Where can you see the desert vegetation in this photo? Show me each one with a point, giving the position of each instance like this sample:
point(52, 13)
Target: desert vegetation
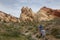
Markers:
point(26, 30)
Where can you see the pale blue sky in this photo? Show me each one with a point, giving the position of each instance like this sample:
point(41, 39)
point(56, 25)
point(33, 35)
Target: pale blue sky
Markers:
point(13, 7)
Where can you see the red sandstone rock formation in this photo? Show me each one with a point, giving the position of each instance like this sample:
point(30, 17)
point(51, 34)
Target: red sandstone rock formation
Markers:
point(51, 11)
point(47, 13)
point(27, 14)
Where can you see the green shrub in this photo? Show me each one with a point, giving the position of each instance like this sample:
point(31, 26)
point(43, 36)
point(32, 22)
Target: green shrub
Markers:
point(55, 32)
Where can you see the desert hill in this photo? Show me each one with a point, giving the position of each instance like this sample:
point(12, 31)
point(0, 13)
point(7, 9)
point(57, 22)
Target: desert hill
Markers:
point(26, 26)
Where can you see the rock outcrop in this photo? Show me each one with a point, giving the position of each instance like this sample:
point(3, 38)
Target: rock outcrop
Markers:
point(44, 13)
point(47, 14)
point(27, 14)
point(7, 17)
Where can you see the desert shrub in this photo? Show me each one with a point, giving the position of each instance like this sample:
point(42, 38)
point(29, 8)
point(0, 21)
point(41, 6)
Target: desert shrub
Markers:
point(38, 36)
point(29, 37)
point(55, 32)
point(10, 30)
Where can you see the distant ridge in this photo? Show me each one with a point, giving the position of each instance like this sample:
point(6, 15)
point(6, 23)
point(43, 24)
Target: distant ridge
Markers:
point(27, 14)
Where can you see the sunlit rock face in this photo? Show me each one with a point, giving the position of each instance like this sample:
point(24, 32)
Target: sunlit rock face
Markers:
point(44, 14)
point(27, 14)
point(7, 17)
point(47, 14)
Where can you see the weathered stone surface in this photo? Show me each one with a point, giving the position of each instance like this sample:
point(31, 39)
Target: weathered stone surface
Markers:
point(7, 17)
point(47, 14)
point(27, 14)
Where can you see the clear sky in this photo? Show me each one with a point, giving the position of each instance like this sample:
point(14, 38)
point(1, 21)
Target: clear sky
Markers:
point(13, 7)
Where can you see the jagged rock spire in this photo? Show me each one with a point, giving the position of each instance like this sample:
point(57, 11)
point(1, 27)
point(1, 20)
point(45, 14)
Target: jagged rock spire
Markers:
point(26, 14)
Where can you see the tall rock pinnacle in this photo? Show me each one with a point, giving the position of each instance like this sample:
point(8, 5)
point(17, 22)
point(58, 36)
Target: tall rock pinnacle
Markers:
point(26, 14)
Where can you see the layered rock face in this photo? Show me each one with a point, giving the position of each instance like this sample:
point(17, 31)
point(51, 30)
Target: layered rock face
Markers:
point(47, 14)
point(27, 14)
point(7, 17)
point(44, 14)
